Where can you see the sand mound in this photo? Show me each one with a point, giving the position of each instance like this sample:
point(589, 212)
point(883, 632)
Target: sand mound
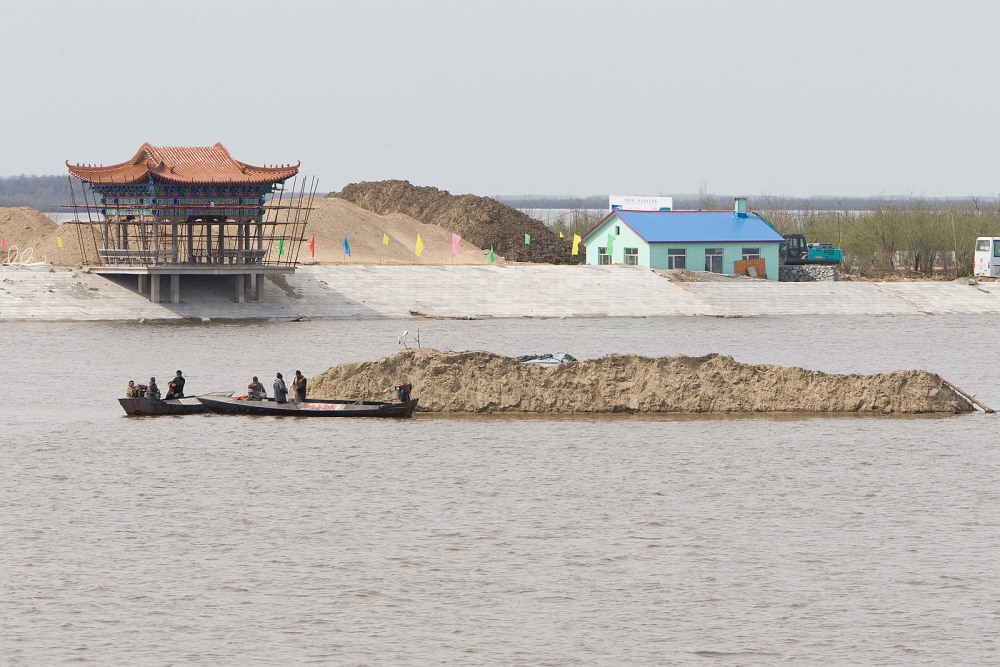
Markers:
point(27, 229)
point(332, 219)
point(481, 221)
point(484, 382)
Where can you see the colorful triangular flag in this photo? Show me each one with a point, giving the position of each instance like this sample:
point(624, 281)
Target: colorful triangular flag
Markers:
point(561, 235)
point(58, 241)
point(347, 246)
point(492, 256)
point(576, 244)
point(281, 246)
point(456, 244)
point(611, 245)
point(312, 246)
point(527, 239)
point(385, 239)
point(420, 246)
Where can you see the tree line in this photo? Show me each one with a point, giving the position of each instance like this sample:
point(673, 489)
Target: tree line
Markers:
point(43, 193)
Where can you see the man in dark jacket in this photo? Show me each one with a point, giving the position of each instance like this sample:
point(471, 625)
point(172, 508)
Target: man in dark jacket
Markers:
point(176, 387)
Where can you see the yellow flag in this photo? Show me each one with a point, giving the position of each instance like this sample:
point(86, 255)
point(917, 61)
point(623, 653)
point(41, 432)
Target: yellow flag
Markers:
point(561, 235)
point(59, 241)
point(385, 239)
point(420, 245)
point(576, 244)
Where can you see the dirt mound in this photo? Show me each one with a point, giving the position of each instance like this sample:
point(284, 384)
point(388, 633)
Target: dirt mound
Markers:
point(484, 382)
point(482, 221)
point(36, 238)
point(332, 219)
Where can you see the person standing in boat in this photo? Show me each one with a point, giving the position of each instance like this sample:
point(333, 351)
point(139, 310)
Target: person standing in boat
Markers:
point(176, 387)
point(280, 390)
point(256, 391)
point(152, 391)
point(299, 385)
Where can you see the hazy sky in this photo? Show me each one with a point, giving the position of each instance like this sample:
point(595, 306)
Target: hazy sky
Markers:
point(755, 97)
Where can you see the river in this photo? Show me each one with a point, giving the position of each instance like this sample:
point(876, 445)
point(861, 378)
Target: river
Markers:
point(492, 540)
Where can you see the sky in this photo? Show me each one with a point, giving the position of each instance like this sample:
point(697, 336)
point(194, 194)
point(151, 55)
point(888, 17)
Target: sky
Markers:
point(512, 97)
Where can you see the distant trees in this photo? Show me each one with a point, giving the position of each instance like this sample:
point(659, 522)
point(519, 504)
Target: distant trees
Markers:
point(43, 193)
point(915, 237)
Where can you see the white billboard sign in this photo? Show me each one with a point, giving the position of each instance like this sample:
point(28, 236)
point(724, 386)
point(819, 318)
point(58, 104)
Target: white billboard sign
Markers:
point(640, 203)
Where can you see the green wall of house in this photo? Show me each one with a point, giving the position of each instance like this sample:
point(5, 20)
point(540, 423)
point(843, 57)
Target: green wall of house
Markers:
point(655, 255)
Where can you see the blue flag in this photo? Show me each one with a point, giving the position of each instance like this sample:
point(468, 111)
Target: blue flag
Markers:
point(347, 246)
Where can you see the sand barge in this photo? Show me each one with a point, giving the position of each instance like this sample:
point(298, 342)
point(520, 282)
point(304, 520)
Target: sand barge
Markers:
point(482, 382)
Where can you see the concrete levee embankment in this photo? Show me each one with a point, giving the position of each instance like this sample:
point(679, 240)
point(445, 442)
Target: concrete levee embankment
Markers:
point(441, 291)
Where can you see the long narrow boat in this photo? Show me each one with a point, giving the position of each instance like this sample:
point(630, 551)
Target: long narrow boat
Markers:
point(311, 407)
point(146, 406)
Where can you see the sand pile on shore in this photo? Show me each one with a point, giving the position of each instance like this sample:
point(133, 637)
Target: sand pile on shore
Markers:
point(481, 221)
point(482, 382)
point(36, 238)
point(332, 219)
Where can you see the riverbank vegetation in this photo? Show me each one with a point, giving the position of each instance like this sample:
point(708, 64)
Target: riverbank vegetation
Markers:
point(900, 238)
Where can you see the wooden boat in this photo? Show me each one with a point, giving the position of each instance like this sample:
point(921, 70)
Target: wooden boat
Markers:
point(147, 406)
point(311, 407)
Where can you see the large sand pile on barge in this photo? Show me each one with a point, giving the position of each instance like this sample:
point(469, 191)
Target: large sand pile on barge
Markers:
point(482, 382)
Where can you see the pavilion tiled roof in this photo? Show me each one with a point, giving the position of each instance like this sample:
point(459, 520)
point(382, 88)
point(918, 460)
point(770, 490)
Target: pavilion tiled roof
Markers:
point(183, 164)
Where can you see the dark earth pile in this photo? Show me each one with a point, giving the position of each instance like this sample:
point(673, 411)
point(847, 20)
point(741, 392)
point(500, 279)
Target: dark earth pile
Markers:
point(482, 221)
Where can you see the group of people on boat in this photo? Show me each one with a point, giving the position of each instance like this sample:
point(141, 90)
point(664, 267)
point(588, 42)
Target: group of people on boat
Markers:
point(257, 392)
point(174, 390)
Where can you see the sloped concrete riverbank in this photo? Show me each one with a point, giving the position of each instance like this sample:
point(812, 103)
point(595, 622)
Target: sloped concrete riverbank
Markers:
point(463, 292)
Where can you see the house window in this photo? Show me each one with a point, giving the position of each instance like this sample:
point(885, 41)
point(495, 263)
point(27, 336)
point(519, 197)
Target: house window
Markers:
point(751, 253)
point(618, 230)
point(713, 260)
point(602, 256)
point(676, 258)
point(631, 256)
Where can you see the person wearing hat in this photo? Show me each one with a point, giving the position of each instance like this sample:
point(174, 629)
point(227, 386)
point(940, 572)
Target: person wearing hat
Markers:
point(256, 391)
point(152, 391)
point(280, 390)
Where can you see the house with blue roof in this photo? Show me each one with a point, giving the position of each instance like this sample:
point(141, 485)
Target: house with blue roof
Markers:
point(692, 240)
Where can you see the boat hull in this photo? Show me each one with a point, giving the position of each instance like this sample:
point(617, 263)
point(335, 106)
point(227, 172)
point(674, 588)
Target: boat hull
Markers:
point(312, 407)
point(145, 406)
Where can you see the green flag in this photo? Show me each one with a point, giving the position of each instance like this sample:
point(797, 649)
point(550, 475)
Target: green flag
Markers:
point(527, 239)
point(611, 245)
point(492, 257)
point(281, 245)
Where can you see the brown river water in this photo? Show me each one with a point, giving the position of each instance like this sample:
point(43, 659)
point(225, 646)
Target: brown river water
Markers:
point(214, 540)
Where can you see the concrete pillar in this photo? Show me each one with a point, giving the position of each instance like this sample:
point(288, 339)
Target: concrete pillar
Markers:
point(175, 288)
point(154, 287)
point(260, 286)
point(142, 284)
point(241, 288)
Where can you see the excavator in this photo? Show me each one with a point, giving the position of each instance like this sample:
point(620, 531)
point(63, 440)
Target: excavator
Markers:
point(795, 251)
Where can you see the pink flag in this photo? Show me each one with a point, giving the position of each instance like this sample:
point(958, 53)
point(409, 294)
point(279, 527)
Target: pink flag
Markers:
point(3, 244)
point(456, 248)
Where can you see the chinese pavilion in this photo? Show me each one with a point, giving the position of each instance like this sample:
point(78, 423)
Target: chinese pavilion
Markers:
point(190, 211)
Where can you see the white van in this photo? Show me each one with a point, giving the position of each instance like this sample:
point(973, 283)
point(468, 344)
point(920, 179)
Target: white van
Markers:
point(987, 260)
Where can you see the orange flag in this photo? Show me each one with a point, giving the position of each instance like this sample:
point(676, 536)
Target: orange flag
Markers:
point(312, 246)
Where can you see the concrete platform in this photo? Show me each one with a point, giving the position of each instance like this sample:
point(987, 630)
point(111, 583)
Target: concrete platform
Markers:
point(379, 292)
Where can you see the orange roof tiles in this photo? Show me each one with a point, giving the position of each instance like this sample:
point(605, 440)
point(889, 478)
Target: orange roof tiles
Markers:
point(183, 164)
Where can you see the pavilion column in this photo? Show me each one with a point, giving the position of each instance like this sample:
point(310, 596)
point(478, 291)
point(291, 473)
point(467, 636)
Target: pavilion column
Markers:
point(142, 284)
point(154, 287)
point(259, 277)
point(241, 288)
point(175, 288)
